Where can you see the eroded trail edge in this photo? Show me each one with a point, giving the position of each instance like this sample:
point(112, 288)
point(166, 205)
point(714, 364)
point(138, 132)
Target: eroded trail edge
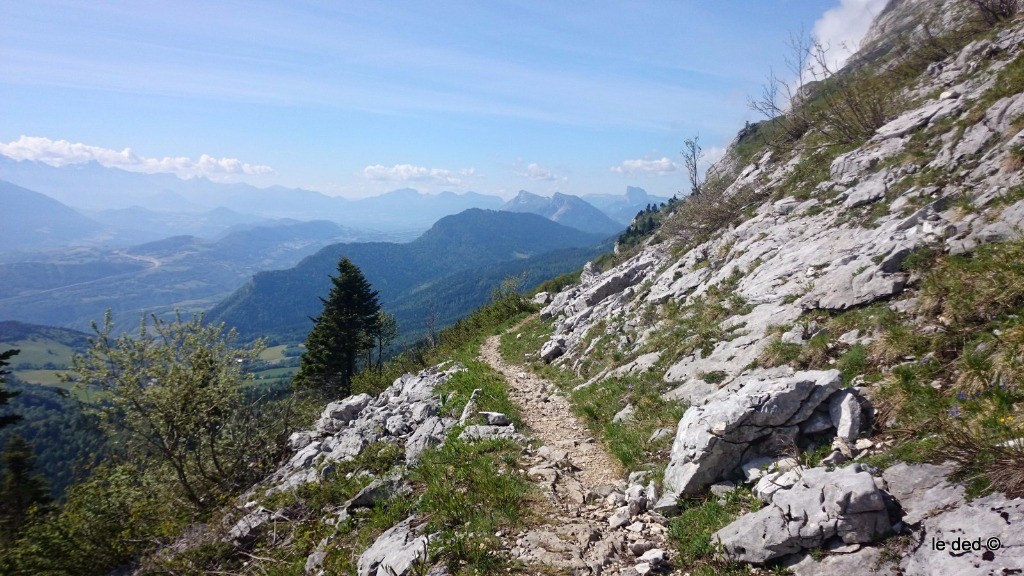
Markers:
point(599, 522)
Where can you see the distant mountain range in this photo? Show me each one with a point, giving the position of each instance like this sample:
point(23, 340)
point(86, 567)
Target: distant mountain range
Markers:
point(131, 207)
point(622, 209)
point(104, 191)
point(30, 220)
point(565, 209)
point(449, 270)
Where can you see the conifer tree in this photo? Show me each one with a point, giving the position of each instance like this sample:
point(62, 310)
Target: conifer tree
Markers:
point(5, 396)
point(342, 333)
point(21, 487)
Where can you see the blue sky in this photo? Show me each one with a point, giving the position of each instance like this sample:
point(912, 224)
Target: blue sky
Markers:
point(358, 98)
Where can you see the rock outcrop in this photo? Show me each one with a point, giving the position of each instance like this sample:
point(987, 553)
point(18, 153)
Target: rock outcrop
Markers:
point(845, 504)
point(760, 417)
point(406, 413)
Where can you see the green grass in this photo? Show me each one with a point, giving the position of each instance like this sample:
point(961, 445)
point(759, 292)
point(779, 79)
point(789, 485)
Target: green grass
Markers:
point(628, 441)
point(37, 352)
point(273, 353)
point(470, 491)
point(691, 532)
point(42, 377)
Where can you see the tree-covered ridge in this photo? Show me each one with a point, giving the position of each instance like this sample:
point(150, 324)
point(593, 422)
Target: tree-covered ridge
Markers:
point(475, 249)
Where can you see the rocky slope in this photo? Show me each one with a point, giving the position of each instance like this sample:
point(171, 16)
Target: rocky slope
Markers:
point(944, 176)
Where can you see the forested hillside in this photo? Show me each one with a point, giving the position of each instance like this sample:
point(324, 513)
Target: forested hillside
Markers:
point(438, 277)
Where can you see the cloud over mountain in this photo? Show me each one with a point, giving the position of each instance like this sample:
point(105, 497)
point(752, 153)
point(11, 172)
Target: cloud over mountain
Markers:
point(535, 171)
point(63, 153)
point(635, 167)
point(410, 173)
point(840, 29)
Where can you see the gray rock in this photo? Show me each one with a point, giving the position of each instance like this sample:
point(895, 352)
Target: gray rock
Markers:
point(248, 528)
point(625, 415)
point(395, 551)
point(667, 505)
point(793, 336)
point(817, 423)
point(496, 418)
point(337, 414)
point(844, 411)
point(620, 518)
point(299, 440)
point(660, 434)
point(866, 192)
point(541, 298)
point(722, 488)
point(866, 561)
point(694, 391)
point(849, 338)
point(655, 557)
point(843, 503)
point(917, 118)
point(922, 489)
point(713, 439)
point(482, 432)
point(546, 547)
point(991, 527)
point(431, 433)
point(642, 364)
point(552, 349)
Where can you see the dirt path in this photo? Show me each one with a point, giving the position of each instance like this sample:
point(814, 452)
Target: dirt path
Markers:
point(596, 525)
point(550, 418)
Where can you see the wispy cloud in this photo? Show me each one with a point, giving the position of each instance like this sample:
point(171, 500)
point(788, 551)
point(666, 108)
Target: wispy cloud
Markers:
point(410, 173)
point(637, 167)
point(711, 155)
point(840, 29)
point(536, 172)
point(64, 153)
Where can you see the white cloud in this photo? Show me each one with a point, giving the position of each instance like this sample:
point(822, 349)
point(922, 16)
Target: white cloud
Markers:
point(63, 153)
point(410, 173)
point(636, 167)
point(535, 171)
point(711, 155)
point(840, 29)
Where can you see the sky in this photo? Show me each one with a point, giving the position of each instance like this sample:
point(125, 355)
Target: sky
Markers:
point(360, 98)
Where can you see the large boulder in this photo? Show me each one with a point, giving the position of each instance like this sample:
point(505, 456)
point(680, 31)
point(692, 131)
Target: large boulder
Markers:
point(715, 438)
point(844, 504)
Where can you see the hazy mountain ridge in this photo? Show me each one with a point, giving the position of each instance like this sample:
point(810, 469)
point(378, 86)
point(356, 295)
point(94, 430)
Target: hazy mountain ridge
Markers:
point(73, 288)
point(32, 220)
point(93, 187)
point(475, 245)
point(624, 208)
point(565, 209)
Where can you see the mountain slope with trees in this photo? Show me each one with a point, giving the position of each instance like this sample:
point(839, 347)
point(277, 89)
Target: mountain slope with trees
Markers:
point(411, 278)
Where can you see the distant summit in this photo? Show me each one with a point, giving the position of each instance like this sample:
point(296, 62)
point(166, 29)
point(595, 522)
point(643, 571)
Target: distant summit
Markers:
point(564, 209)
point(622, 209)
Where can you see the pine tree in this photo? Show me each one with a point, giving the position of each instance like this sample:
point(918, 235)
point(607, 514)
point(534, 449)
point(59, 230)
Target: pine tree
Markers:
point(20, 487)
point(5, 396)
point(345, 330)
